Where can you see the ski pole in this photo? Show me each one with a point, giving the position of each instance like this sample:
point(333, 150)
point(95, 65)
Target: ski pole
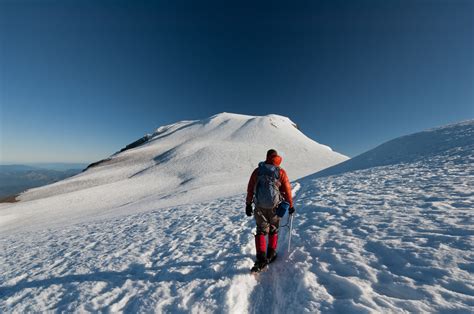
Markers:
point(291, 229)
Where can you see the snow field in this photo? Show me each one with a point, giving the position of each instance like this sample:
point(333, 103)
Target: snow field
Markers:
point(175, 259)
point(388, 239)
point(397, 238)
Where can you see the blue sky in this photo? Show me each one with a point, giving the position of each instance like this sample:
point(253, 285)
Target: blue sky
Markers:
point(81, 79)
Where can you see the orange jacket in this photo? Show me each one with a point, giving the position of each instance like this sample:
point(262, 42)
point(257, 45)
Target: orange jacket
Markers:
point(285, 187)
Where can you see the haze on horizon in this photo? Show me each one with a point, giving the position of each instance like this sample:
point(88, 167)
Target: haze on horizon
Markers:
point(80, 80)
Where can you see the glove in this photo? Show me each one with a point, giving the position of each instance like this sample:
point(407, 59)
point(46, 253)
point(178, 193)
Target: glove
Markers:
point(291, 211)
point(249, 210)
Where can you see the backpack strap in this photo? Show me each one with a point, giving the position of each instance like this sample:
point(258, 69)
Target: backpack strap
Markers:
point(277, 172)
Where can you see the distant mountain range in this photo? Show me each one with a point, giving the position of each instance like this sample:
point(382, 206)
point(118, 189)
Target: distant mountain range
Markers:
point(17, 178)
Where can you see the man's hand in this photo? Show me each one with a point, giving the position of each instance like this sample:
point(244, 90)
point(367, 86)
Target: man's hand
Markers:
point(291, 211)
point(249, 210)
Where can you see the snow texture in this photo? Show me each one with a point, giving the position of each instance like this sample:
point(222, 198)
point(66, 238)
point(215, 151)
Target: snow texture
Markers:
point(388, 239)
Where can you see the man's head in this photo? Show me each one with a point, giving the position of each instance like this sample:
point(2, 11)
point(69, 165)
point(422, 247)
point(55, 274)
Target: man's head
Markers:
point(273, 158)
point(271, 153)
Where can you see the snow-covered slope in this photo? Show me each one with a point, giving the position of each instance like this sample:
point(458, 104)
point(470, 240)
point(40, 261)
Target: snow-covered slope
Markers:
point(394, 238)
point(390, 239)
point(186, 162)
point(445, 140)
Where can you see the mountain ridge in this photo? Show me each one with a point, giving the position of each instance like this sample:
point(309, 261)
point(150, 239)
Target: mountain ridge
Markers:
point(409, 148)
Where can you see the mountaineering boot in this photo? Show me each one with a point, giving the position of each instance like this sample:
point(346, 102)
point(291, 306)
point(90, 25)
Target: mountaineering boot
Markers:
point(271, 255)
point(272, 246)
point(260, 247)
point(260, 263)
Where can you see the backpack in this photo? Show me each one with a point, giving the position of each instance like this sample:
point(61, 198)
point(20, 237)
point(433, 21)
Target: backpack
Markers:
point(267, 190)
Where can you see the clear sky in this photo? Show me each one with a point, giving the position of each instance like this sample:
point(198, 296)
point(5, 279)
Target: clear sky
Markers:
point(81, 79)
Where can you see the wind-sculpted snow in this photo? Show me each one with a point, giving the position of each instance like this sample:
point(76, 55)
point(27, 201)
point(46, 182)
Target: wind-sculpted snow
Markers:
point(173, 259)
point(389, 239)
point(411, 148)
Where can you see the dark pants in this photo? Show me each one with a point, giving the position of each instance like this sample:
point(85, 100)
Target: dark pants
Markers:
point(267, 221)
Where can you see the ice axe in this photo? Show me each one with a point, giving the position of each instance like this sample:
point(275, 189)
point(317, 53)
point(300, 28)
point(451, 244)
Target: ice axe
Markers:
point(290, 217)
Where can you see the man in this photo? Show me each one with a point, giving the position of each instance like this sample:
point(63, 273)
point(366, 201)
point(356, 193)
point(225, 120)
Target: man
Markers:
point(268, 187)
